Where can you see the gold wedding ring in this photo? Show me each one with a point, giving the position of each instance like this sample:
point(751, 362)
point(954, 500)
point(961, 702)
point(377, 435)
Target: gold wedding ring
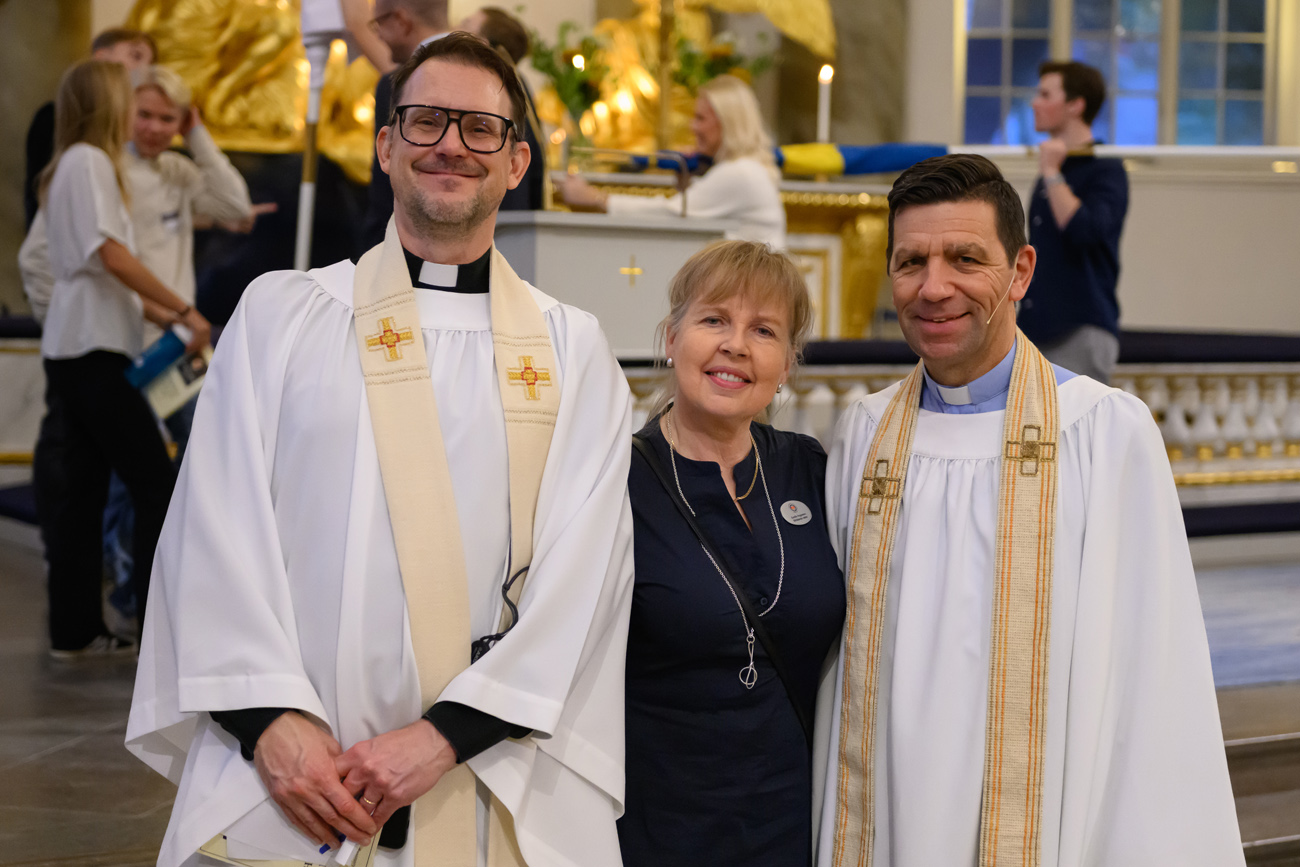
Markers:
point(371, 803)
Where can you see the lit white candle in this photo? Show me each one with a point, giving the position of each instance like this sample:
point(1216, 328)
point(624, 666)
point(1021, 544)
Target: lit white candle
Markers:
point(824, 103)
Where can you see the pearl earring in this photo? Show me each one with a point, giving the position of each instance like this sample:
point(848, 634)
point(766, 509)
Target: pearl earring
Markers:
point(670, 361)
point(778, 387)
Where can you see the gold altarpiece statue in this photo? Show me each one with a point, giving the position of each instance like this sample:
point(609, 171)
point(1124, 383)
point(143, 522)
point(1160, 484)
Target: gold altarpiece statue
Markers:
point(245, 62)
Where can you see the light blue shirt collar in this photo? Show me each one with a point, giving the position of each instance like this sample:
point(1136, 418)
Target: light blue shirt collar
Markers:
point(987, 393)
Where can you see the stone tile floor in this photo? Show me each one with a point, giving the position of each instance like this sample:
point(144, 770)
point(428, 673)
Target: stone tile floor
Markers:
point(73, 795)
point(1252, 618)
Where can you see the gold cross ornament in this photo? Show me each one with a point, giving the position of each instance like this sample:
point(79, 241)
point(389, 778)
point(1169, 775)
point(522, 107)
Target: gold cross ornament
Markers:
point(390, 338)
point(631, 272)
point(1031, 450)
point(528, 376)
point(880, 487)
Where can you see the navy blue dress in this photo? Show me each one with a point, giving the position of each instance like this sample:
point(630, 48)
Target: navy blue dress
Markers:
point(718, 774)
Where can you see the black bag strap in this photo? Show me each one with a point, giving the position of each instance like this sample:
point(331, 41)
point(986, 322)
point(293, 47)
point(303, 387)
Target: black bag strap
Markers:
point(755, 623)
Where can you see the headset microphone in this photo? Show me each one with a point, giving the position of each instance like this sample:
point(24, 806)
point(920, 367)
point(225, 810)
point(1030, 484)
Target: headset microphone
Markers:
point(1000, 300)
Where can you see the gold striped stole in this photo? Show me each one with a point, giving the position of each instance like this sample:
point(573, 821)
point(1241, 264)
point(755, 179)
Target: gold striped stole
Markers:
point(422, 503)
point(1011, 812)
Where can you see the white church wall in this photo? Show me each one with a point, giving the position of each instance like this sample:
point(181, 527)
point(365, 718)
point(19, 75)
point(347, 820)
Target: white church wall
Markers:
point(936, 70)
point(1209, 243)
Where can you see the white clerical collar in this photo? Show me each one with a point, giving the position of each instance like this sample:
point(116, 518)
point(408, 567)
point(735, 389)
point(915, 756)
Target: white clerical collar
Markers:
point(979, 390)
point(958, 396)
point(433, 274)
point(472, 277)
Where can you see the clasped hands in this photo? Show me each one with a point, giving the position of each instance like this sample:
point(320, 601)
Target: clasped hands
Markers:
point(322, 789)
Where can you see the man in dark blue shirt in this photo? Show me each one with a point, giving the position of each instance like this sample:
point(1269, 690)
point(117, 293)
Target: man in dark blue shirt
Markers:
point(1076, 215)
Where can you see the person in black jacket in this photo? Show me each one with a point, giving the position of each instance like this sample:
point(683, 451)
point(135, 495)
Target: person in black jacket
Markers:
point(1076, 215)
point(131, 48)
point(718, 762)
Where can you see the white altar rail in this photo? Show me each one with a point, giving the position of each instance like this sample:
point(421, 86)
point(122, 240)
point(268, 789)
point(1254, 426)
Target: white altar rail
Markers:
point(1223, 424)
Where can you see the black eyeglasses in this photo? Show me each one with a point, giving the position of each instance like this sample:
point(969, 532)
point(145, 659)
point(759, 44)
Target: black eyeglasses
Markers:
point(480, 131)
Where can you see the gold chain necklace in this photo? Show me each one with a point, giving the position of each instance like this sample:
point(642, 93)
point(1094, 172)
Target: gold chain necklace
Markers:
point(754, 480)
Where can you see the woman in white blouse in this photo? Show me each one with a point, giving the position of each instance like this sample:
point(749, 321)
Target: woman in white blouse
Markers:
point(92, 330)
point(741, 185)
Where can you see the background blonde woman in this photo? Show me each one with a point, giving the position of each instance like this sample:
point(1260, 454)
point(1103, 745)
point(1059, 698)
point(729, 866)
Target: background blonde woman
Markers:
point(718, 756)
point(741, 185)
point(93, 328)
point(169, 193)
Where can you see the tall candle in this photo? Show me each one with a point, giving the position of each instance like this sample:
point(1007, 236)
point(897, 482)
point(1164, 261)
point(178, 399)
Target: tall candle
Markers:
point(824, 103)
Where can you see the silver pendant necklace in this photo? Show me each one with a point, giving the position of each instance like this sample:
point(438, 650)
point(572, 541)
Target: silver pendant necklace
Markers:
point(748, 674)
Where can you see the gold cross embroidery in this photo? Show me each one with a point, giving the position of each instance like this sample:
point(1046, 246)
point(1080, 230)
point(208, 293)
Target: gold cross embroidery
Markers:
point(528, 376)
point(1031, 450)
point(631, 272)
point(880, 487)
point(390, 339)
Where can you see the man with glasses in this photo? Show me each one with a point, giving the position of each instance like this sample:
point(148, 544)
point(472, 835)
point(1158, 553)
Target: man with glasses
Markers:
point(404, 26)
point(396, 575)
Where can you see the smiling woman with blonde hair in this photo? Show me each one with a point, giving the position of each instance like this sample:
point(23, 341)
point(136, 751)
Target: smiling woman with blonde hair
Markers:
point(738, 600)
point(741, 185)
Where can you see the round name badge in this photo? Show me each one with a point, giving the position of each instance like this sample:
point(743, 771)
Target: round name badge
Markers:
point(795, 512)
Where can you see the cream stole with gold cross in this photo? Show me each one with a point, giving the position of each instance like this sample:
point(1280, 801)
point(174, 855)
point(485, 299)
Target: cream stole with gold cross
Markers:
point(1011, 814)
point(422, 504)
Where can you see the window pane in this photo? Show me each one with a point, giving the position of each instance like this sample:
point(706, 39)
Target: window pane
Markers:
point(1092, 14)
point(1135, 120)
point(983, 62)
point(1243, 122)
point(1198, 65)
point(983, 117)
point(1200, 15)
point(1019, 127)
point(984, 13)
point(1245, 67)
point(1139, 63)
point(1101, 124)
point(1094, 52)
point(1196, 122)
point(1140, 16)
point(1031, 13)
point(1026, 54)
point(1246, 16)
